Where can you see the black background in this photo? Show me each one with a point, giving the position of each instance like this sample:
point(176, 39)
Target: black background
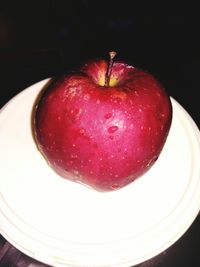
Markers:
point(40, 39)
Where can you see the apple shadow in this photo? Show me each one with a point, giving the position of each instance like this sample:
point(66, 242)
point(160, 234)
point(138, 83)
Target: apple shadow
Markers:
point(35, 104)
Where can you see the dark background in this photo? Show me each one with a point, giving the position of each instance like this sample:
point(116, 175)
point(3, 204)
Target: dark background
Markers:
point(40, 39)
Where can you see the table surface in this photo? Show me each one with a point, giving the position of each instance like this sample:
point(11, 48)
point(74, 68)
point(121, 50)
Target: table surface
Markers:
point(184, 253)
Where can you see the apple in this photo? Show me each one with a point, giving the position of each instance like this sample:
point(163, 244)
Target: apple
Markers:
point(103, 126)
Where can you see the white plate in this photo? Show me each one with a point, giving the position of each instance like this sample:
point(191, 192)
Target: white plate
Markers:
point(62, 223)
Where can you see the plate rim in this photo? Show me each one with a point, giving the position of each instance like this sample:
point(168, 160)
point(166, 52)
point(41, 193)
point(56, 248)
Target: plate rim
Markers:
point(40, 256)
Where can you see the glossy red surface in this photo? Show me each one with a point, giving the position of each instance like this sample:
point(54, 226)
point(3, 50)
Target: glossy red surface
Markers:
point(103, 136)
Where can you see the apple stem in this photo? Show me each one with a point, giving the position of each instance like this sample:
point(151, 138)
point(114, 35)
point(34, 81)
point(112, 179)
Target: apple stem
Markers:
point(112, 54)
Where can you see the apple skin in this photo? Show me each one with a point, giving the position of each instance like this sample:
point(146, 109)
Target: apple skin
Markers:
point(103, 136)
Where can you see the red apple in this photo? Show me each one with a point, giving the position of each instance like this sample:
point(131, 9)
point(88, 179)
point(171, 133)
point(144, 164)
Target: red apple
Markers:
point(104, 126)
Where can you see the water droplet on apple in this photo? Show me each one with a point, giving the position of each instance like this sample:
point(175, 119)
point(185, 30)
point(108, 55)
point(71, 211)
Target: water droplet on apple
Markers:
point(162, 115)
point(86, 97)
point(115, 186)
point(76, 172)
point(82, 131)
point(136, 93)
point(117, 100)
point(108, 115)
point(74, 114)
point(74, 156)
point(113, 129)
point(125, 151)
point(119, 150)
point(158, 94)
